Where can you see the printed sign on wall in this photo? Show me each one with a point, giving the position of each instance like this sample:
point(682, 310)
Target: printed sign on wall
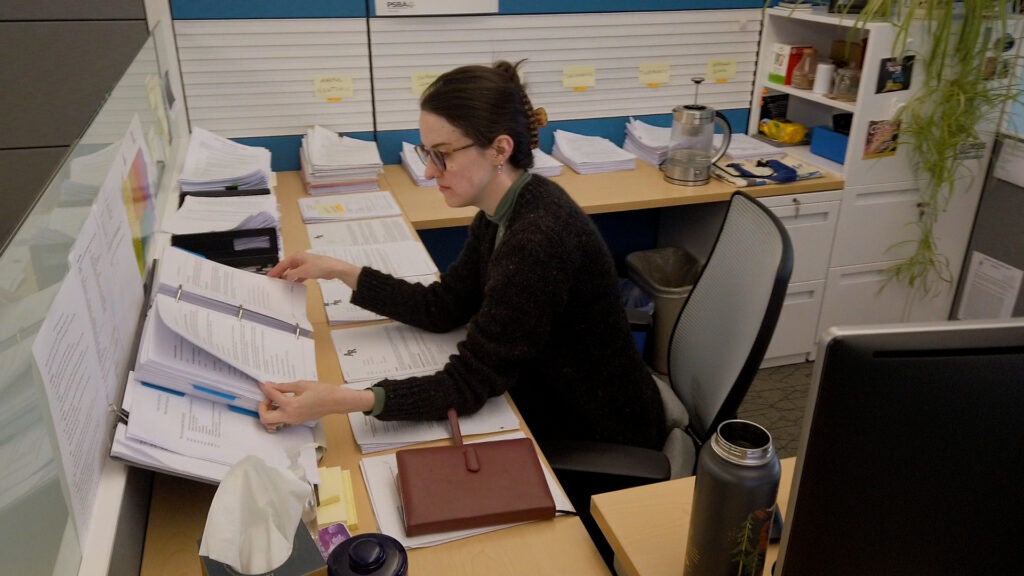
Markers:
point(433, 7)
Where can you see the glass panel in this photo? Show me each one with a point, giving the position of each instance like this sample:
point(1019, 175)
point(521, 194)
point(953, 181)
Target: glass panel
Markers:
point(37, 531)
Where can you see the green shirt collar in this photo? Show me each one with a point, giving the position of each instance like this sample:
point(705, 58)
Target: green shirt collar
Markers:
point(504, 210)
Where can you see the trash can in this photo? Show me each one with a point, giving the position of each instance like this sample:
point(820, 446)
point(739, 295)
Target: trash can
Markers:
point(667, 274)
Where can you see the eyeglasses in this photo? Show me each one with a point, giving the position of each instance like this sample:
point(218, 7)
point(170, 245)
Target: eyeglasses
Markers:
point(436, 156)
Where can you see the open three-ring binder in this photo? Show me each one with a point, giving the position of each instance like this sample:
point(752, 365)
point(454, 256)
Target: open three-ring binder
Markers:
point(215, 332)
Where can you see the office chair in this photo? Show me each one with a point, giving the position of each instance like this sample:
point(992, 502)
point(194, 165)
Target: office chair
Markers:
point(716, 347)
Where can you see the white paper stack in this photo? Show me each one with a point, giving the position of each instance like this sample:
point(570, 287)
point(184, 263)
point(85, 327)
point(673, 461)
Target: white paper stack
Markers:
point(544, 164)
point(353, 206)
point(743, 147)
point(591, 154)
point(199, 214)
point(392, 350)
point(333, 164)
point(414, 166)
point(649, 143)
point(216, 163)
point(374, 435)
point(200, 439)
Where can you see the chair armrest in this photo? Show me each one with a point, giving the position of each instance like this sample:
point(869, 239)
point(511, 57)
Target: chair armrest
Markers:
point(630, 464)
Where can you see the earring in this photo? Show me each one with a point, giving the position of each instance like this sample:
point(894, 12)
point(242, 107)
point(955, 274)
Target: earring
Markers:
point(501, 168)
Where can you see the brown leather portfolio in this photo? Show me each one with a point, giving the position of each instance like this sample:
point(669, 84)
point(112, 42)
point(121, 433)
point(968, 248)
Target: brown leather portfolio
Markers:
point(472, 485)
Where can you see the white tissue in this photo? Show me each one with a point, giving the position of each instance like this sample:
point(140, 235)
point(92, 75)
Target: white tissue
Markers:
point(252, 519)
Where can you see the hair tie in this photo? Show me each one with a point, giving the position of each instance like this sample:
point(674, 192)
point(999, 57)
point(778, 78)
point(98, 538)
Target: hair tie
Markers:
point(540, 117)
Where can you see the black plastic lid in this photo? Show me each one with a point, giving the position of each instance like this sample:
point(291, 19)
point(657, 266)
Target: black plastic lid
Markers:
point(368, 555)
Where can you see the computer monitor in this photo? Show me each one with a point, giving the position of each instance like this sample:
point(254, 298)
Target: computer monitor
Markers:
point(912, 454)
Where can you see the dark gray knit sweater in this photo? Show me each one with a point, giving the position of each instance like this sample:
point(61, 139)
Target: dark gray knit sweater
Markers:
point(544, 323)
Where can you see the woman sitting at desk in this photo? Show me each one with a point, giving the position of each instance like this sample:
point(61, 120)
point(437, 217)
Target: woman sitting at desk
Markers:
point(534, 282)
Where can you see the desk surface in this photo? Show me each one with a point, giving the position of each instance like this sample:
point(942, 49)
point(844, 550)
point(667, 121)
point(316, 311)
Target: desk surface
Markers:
point(638, 189)
point(647, 526)
point(178, 507)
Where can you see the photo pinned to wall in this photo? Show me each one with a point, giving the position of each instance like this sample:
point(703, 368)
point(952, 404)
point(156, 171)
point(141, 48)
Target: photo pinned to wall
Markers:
point(883, 138)
point(894, 74)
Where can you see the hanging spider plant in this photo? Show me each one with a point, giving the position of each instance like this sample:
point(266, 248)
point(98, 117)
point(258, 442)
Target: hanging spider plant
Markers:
point(964, 91)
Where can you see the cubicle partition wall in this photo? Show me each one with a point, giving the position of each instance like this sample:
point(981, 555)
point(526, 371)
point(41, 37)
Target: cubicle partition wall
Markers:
point(60, 499)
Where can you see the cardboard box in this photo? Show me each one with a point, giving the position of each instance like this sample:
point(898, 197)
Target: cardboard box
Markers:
point(784, 58)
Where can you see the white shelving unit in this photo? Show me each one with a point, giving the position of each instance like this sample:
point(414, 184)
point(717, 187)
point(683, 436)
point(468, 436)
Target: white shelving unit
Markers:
point(878, 205)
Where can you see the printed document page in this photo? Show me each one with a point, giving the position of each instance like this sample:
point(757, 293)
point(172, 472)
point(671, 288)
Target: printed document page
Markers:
point(211, 431)
point(392, 350)
point(224, 288)
point(374, 435)
point(381, 476)
point(359, 232)
point(400, 259)
point(263, 353)
point(338, 301)
point(104, 260)
point(199, 214)
point(66, 355)
point(353, 206)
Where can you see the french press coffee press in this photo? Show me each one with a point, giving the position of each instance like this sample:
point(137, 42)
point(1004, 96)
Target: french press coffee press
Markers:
point(690, 151)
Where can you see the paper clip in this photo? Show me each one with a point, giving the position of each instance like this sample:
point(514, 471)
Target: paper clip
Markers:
point(297, 330)
point(122, 414)
point(178, 296)
point(240, 310)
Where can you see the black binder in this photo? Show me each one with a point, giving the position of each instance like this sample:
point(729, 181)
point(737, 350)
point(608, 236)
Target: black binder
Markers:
point(254, 248)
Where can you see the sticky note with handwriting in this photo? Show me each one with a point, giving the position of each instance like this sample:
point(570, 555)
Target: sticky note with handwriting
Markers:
point(578, 77)
point(653, 74)
point(332, 87)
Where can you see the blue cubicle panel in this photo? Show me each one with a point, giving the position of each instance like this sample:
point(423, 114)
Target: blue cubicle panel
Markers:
point(238, 9)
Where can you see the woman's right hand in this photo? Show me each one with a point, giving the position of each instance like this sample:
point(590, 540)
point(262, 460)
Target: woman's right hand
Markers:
point(302, 266)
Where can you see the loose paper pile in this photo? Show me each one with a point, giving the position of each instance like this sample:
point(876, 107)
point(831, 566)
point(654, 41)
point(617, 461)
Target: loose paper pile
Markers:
point(216, 163)
point(544, 164)
point(353, 206)
point(649, 143)
point(199, 214)
point(591, 154)
point(334, 164)
point(414, 166)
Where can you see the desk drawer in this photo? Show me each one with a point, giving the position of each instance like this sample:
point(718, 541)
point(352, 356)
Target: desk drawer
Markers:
point(811, 227)
point(795, 333)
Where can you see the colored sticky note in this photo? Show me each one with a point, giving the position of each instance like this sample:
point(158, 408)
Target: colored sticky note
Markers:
point(578, 77)
point(333, 87)
point(343, 509)
point(330, 485)
point(420, 81)
point(721, 70)
point(653, 73)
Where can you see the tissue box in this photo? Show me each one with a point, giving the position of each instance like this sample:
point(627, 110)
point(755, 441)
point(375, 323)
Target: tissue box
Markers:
point(305, 560)
point(784, 58)
point(828, 143)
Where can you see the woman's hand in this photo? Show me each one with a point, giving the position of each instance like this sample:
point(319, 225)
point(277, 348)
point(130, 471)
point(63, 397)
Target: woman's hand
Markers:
point(302, 401)
point(302, 266)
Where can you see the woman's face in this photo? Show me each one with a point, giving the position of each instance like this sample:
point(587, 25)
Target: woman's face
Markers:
point(468, 173)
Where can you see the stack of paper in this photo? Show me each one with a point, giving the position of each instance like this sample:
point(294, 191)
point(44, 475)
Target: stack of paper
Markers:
point(591, 154)
point(199, 214)
point(354, 206)
point(743, 147)
point(414, 166)
point(374, 435)
point(649, 143)
point(392, 350)
point(201, 439)
point(334, 164)
point(544, 164)
point(216, 163)
point(379, 473)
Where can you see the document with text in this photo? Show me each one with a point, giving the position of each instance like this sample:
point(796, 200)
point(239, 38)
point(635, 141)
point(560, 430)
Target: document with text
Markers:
point(352, 206)
point(338, 301)
point(359, 232)
point(392, 350)
point(400, 259)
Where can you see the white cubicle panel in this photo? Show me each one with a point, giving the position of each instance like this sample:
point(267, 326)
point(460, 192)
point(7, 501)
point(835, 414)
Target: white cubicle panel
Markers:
point(615, 45)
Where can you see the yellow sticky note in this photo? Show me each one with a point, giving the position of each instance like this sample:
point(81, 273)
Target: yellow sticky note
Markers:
point(343, 508)
point(329, 209)
point(577, 77)
point(721, 70)
point(330, 485)
point(333, 87)
point(420, 81)
point(653, 73)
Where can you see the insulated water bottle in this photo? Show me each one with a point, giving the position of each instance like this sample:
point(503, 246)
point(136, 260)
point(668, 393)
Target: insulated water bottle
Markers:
point(733, 502)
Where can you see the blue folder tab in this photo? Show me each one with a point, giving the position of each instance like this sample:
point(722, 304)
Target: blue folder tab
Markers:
point(206, 390)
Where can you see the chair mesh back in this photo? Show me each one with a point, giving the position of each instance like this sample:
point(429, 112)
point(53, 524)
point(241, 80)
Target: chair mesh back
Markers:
point(719, 331)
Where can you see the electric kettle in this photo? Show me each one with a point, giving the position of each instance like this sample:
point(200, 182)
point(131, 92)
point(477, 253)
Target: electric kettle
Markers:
point(691, 143)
